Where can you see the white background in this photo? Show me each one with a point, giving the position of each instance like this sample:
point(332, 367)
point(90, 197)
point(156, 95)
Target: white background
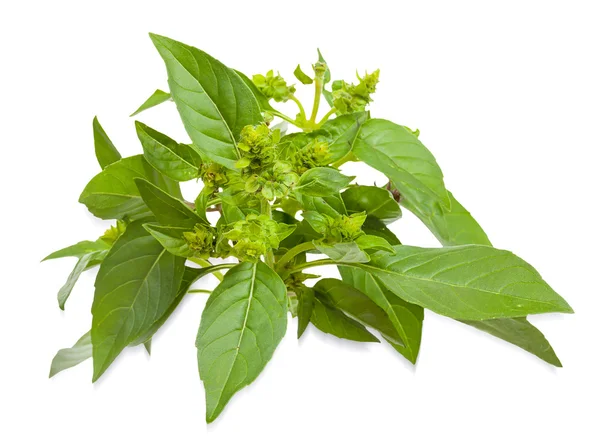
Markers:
point(506, 95)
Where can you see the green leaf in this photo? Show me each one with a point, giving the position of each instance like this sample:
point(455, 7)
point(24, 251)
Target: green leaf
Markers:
point(213, 101)
point(80, 249)
point(322, 181)
point(262, 100)
point(375, 227)
point(168, 210)
point(346, 298)
point(135, 286)
point(302, 77)
point(342, 132)
point(453, 227)
point(377, 202)
point(106, 152)
point(158, 97)
point(471, 282)
point(148, 346)
point(201, 203)
point(332, 321)
point(406, 317)
point(85, 262)
point(244, 320)
point(171, 238)
point(343, 252)
point(331, 205)
point(397, 152)
point(521, 333)
point(179, 162)
point(69, 357)
point(369, 242)
point(190, 275)
point(112, 194)
point(306, 299)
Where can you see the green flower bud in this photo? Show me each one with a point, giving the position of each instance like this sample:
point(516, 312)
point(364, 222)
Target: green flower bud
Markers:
point(111, 235)
point(257, 144)
point(214, 176)
point(348, 98)
point(320, 68)
point(273, 86)
point(339, 229)
point(314, 154)
point(200, 241)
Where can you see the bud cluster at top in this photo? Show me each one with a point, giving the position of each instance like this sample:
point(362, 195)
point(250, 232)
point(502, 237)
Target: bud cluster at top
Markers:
point(348, 98)
point(273, 86)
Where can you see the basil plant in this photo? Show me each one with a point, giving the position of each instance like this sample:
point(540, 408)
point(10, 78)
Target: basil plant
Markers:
point(283, 208)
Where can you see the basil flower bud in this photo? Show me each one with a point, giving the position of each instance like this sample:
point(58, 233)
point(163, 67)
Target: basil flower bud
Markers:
point(273, 86)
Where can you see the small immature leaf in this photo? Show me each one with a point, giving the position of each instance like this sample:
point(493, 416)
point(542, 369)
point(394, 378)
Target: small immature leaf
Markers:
point(213, 101)
point(345, 297)
point(369, 242)
point(343, 131)
point(302, 77)
point(343, 252)
point(306, 298)
point(179, 162)
point(322, 181)
point(106, 152)
point(327, 77)
point(376, 202)
point(158, 97)
point(168, 210)
point(135, 286)
point(521, 333)
point(470, 282)
point(375, 227)
point(398, 153)
point(406, 317)
point(148, 346)
point(331, 205)
point(263, 101)
point(69, 357)
point(335, 322)
point(112, 194)
point(243, 322)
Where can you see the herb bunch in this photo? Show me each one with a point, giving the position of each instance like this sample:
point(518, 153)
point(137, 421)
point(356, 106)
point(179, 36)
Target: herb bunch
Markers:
point(283, 207)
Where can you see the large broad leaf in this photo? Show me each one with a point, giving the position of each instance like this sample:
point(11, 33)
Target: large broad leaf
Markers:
point(112, 193)
point(179, 162)
point(80, 249)
point(343, 131)
point(346, 298)
point(406, 318)
point(244, 320)
point(171, 238)
point(306, 301)
point(375, 227)
point(158, 97)
point(106, 152)
point(470, 282)
point(322, 182)
point(376, 202)
point(333, 321)
point(330, 205)
point(168, 210)
point(521, 333)
point(213, 101)
point(397, 152)
point(135, 286)
point(343, 252)
point(69, 357)
point(451, 227)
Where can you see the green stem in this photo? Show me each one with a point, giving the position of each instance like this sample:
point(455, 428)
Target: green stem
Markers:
point(284, 117)
point(287, 257)
point(326, 117)
point(317, 100)
point(205, 264)
point(214, 201)
point(342, 160)
point(300, 106)
point(265, 208)
point(199, 291)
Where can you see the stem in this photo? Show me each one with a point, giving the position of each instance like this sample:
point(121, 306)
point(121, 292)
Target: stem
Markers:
point(199, 291)
point(317, 100)
point(205, 264)
point(300, 106)
point(287, 257)
point(326, 117)
point(284, 117)
point(265, 208)
point(342, 160)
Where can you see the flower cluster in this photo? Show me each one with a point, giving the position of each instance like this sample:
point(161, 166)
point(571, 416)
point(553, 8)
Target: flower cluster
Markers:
point(256, 235)
point(273, 86)
point(262, 172)
point(314, 154)
point(111, 235)
point(214, 176)
point(348, 98)
point(200, 241)
point(336, 229)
